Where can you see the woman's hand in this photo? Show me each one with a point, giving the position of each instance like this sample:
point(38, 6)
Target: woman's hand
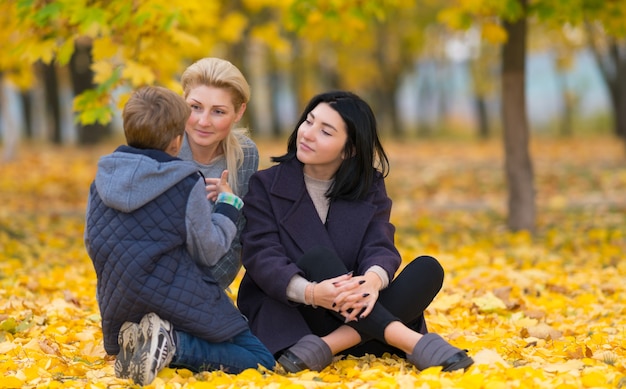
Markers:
point(215, 186)
point(357, 296)
point(324, 293)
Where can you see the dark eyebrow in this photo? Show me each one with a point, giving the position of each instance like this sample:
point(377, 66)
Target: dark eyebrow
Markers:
point(323, 123)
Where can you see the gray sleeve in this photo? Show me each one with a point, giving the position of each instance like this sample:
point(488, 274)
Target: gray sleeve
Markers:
point(209, 235)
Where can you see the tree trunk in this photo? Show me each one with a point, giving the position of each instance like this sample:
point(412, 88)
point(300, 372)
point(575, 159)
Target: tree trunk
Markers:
point(612, 65)
point(619, 54)
point(613, 69)
point(482, 117)
point(82, 80)
point(385, 105)
point(53, 106)
point(27, 107)
point(519, 170)
point(384, 95)
point(260, 106)
point(37, 111)
point(567, 111)
point(10, 126)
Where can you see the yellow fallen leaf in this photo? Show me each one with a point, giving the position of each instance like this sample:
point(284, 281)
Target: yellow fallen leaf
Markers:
point(594, 379)
point(543, 331)
point(6, 346)
point(488, 357)
point(488, 303)
point(568, 366)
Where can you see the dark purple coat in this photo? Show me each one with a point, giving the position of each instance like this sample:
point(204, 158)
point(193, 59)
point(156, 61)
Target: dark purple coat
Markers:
point(282, 224)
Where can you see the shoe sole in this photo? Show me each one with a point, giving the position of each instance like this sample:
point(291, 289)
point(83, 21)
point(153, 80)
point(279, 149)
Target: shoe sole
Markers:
point(127, 340)
point(462, 364)
point(291, 363)
point(153, 353)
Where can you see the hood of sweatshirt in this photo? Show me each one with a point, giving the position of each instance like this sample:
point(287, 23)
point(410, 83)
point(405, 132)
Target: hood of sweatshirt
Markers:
point(129, 177)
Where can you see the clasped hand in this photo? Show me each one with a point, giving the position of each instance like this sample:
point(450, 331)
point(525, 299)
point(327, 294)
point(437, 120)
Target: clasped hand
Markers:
point(353, 297)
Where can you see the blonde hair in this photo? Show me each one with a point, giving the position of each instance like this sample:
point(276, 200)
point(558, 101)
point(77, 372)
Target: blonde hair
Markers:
point(219, 73)
point(153, 117)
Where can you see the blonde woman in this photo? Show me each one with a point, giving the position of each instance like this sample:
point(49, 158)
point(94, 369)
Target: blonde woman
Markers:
point(218, 93)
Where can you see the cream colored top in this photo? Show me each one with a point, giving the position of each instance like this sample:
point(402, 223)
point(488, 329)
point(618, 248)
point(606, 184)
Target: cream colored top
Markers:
point(317, 191)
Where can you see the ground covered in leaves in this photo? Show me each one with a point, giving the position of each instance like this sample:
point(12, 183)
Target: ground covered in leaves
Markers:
point(542, 311)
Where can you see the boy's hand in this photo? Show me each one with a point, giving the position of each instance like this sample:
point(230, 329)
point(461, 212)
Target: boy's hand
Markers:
point(215, 186)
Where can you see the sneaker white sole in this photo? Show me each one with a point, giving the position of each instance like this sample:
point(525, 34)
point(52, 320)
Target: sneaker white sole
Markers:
point(155, 349)
point(127, 340)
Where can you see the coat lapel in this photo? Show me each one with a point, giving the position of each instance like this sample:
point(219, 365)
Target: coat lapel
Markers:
point(300, 219)
point(346, 224)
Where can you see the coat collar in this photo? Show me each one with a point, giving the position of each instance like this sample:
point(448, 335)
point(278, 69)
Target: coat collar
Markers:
point(347, 220)
point(289, 180)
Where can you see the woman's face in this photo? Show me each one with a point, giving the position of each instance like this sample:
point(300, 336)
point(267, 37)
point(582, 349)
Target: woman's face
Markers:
point(320, 142)
point(212, 115)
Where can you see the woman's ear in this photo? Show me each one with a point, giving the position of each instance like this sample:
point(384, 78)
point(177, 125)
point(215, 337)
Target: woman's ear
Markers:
point(242, 110)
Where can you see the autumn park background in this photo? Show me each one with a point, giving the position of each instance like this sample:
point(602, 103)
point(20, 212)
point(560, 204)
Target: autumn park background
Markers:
point(505, 123)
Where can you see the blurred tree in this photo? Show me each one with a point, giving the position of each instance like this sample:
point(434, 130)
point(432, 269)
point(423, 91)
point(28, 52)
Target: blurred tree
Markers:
point(267, 49)
point(130, 44)
point(483, 63)
point(610, 54)
point(112, 47)
point(603, 20)
point(518, 164)
point(364, 46)
point(511, 17)
point(507, 21)
point(563, 43)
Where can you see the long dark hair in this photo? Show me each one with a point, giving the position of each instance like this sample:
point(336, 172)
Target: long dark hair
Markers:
point(366, 154)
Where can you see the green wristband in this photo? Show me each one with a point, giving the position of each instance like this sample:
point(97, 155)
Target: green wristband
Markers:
point(230, 198)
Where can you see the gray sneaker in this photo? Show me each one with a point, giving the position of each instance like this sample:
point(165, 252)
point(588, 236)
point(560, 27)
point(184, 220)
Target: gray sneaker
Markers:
point(155, 349)
point(127, 339)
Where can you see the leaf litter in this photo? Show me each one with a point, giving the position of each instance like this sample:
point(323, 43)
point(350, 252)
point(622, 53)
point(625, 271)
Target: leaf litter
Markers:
point(534, 311)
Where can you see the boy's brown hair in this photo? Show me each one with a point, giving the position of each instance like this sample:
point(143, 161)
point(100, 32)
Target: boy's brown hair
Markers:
point(153, 117)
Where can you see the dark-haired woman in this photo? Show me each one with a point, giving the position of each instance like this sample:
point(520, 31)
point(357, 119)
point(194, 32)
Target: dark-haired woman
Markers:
point(319, 251)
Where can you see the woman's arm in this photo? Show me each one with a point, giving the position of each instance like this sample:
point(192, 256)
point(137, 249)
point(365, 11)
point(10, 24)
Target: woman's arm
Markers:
point(263, 255)
point(378, 247)
point(377, 263)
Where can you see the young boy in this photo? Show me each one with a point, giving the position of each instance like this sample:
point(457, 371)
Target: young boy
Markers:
point(152, 235)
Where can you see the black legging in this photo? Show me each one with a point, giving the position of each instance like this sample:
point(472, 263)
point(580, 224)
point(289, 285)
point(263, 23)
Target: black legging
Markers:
point(405, 300)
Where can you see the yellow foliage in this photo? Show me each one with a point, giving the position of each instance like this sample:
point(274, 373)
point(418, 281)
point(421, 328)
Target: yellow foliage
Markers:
point(103, 70)
point(104, 48)
point(270, 35)
point(234, 24)
point(494, 33)
point(543, 311)
point(138, 74)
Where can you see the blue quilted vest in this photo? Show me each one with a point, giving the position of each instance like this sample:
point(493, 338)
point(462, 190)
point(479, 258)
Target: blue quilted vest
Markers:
point(142, 266)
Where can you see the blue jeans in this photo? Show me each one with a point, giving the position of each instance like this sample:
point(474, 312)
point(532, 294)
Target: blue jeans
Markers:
point(242, 352)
